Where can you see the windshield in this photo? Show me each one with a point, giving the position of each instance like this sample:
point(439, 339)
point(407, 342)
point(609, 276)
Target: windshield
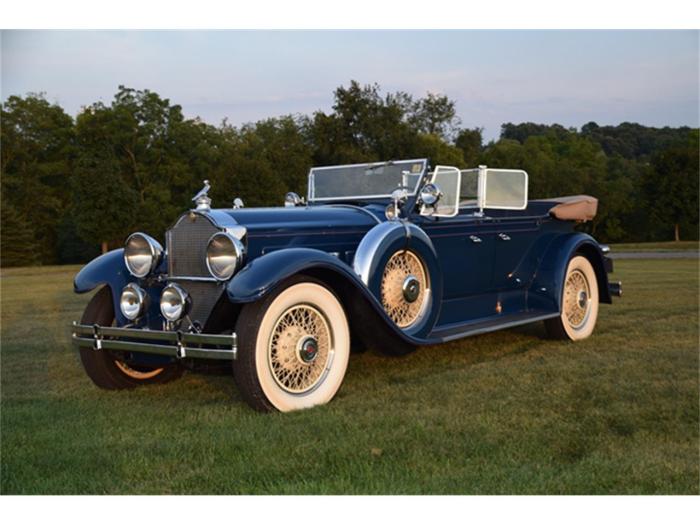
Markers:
point(365, 181)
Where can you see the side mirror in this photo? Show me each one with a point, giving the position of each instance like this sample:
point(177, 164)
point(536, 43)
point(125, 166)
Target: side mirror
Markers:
point(238, 203)
point(292, 199)
point(430, 194)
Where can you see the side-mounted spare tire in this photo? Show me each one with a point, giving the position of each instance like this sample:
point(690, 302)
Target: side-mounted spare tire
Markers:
point(397, 262)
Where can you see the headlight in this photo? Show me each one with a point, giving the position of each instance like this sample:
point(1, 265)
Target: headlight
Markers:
point(132, 301)
point(173, 302)
point(142, 254)
point(224, 255)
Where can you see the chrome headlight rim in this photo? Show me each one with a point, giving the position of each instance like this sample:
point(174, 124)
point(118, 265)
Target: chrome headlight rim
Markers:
point(183, 297)
point(141, 300)
point(229, 251)
point(149, 248)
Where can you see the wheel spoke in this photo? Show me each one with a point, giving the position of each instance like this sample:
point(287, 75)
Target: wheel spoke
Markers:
point(576, 299)
point(295, 371)
point(401, 266)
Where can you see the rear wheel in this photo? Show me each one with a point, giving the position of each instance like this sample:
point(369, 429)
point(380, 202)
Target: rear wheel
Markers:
point(108, 370)
point(294, 347)
point(579, 303)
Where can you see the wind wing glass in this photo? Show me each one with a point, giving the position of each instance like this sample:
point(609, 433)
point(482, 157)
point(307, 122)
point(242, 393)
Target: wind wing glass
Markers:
point(363, 181)
point(448, 180)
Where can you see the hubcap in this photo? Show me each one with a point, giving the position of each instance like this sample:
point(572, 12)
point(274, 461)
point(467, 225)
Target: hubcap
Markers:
point(411, 289)
point(308, 349)
point(300, 349)
point(582, 299)
point(576, 299)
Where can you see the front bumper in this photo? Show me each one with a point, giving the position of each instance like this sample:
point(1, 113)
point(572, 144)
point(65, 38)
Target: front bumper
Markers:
point(175, 344)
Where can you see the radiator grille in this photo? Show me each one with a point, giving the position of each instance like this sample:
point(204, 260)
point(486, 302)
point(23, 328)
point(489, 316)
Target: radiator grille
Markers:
point(204, 297)
point(187, 245)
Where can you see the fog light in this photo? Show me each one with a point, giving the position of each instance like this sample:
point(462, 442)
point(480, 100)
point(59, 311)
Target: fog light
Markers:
point(132, 301)
point(173, 302)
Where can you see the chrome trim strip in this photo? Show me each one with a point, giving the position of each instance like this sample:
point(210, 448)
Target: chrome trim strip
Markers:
point(191, 278)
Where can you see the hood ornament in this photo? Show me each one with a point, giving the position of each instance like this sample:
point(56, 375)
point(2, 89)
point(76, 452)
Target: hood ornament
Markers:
point(202, 200)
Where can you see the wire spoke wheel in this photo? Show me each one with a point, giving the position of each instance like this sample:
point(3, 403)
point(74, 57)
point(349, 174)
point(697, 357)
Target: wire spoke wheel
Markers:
point(300, 349)
point(577, 299)
point(404, 288)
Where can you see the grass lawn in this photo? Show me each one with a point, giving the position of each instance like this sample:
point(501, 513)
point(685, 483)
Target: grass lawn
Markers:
point(670, 246)
point(509, 412)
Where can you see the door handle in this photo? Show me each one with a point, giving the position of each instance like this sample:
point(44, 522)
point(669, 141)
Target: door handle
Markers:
point(475, 239)
point(504, 237)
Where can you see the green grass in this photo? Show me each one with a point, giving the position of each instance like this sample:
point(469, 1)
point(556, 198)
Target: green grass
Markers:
point(508, 412)
point(670, 246)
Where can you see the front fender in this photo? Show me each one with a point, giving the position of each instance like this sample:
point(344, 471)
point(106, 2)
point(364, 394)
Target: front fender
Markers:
point(548, 286)
point(107, 269)
point(263, 273)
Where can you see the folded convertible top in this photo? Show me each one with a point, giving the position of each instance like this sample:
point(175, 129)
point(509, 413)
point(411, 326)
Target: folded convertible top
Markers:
point(574, 207)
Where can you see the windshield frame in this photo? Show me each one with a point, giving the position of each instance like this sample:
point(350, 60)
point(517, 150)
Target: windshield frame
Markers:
point(310, 183)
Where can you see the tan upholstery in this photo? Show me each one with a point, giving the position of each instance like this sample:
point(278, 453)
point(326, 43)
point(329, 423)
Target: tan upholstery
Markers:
point(574, 208)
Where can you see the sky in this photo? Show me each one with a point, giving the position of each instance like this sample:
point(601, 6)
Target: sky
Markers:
point(565, 77)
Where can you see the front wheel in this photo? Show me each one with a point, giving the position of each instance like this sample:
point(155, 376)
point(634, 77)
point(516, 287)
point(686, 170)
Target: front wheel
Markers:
point(294, 347)
point(579, 303)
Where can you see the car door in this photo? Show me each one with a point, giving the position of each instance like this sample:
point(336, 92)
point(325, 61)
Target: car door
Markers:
point(465, 250)
point(465, 247)
point(515, 231)
point(514, 237)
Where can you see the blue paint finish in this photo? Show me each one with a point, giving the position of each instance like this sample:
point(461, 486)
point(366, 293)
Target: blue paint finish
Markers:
point(263, 273)
point(475, 286)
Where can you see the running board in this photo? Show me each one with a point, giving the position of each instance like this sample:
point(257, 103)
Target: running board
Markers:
point(451, 332)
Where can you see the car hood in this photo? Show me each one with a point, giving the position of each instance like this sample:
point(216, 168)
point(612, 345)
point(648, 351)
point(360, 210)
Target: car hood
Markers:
point(291, 221)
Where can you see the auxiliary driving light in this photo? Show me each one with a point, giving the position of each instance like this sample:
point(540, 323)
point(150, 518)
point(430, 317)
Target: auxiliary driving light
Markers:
point(173, 302)
point(132, 301)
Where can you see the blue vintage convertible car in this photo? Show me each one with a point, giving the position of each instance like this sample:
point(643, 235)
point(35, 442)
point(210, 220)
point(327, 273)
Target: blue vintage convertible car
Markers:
point(391, 255)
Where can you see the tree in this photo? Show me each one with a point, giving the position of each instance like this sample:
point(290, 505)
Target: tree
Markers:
point(672, 186)
point(470, 141)
point(434, 115)
point(17, 238)
point(103, 204)
point(37, 152)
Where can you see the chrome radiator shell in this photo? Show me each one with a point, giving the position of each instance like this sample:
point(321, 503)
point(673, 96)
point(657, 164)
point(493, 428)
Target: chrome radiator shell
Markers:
point(186, 245)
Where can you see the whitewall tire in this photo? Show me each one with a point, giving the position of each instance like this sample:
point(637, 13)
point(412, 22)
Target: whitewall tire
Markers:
point(579, 302)
point(294, 347)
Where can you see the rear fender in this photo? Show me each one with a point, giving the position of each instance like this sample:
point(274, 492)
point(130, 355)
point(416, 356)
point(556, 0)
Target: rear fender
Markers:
point(547, 289)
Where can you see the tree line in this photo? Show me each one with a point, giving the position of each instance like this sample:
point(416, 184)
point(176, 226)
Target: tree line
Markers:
point(72, 187)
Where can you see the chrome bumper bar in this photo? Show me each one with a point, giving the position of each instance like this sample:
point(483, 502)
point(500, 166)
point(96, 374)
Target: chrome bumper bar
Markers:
point(615, 288)
point(175, 344)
